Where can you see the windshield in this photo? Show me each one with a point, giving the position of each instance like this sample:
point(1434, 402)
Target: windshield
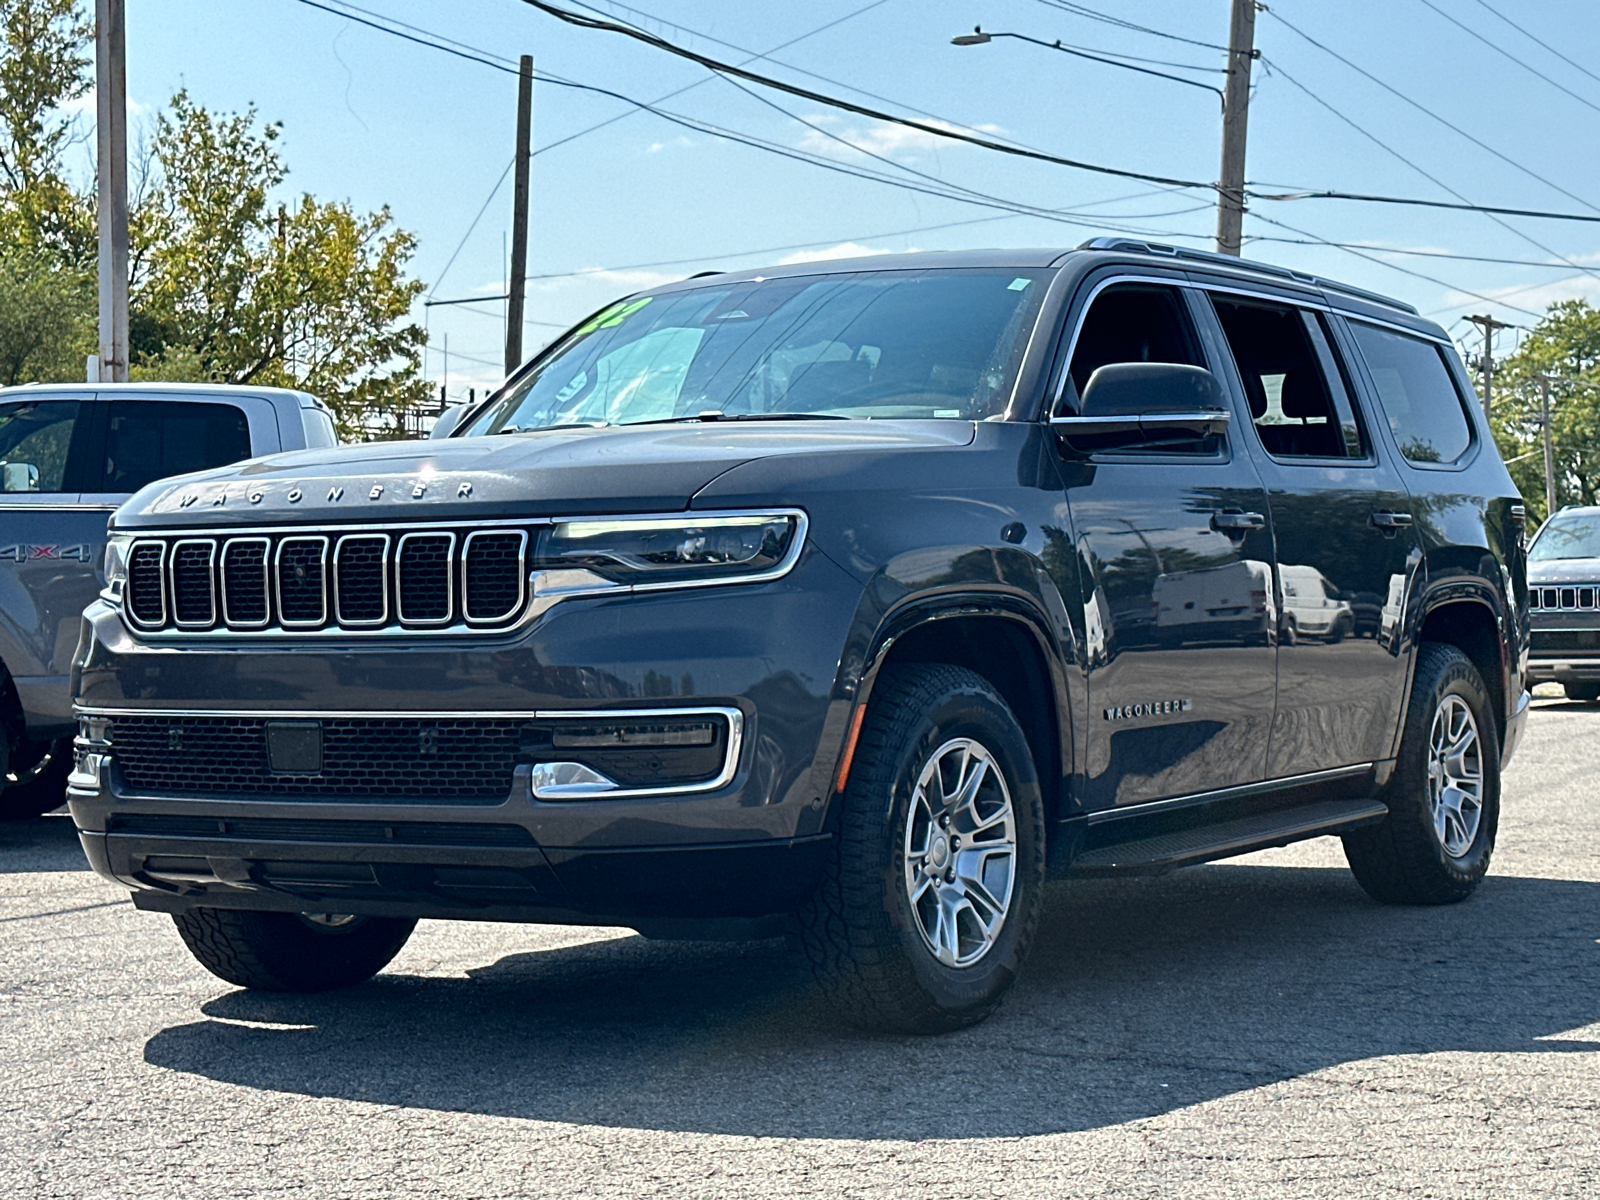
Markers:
point(1567, 537)
point(930, 343)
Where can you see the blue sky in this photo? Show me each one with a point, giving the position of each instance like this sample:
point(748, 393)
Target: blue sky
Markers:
point(376, 120)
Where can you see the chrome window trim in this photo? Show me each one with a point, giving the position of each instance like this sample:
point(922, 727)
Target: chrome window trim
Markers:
point(730, 763)
point(161, 583)
point(277, 582)
point(211, 580)
point(449, 579)
point(383, 580)
point(522, 579)
point(266, 581)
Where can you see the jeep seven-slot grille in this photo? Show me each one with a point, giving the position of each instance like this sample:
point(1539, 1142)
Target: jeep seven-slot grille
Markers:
point(291, 581)
point(467, 760)
point(1566, 597)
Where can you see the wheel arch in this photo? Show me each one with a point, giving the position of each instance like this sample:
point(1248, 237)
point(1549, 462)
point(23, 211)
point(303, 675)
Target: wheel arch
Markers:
point(1002, 639)
point(1470, 624)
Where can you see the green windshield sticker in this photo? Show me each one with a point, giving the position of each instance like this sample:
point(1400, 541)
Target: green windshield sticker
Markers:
point(613, 316)
point(1016, 285)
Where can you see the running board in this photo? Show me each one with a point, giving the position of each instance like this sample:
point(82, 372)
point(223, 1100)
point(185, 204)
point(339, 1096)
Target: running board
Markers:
point(1168, 851)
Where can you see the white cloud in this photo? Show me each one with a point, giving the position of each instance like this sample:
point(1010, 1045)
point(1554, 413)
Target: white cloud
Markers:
point(879, 137)
point(842, 250)
point(1534, 298)
point(677, 143)
point(84, 106)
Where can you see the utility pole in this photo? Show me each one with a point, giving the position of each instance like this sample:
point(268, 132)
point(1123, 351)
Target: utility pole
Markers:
point(519, 217)
point(1489, 326)
point(1235, 114)
point(1549, 446)
point(111, 138)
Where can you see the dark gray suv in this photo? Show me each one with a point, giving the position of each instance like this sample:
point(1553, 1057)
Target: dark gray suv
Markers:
point(1564, 586)
point(849, 600)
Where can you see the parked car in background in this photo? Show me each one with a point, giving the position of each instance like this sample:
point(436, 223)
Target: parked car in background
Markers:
point(69, 455)
point(1312, 606)
point(1564, 587)
point(850, 598)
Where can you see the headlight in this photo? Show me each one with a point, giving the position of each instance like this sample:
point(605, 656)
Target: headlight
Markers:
point(116, 565)
point(645, 551)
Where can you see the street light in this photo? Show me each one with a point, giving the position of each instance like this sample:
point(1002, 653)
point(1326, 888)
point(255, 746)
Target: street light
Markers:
point(980, 37)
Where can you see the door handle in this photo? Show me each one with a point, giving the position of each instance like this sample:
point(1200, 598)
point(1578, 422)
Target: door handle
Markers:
point(1237, 522)
point(1391, 520)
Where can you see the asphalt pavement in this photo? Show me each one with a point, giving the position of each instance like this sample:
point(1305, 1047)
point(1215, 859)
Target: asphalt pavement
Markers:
point(1253, 1028)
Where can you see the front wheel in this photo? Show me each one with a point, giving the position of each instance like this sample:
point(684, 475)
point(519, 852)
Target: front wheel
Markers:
point(1444, 796)
point(929, 906)
point(34, 779)
point(291, 952)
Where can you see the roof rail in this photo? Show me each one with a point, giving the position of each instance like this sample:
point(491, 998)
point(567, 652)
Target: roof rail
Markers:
point(1233, 262)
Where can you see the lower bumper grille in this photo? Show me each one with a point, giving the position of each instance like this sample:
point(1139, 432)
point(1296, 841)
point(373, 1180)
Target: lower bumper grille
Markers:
point(397, 833)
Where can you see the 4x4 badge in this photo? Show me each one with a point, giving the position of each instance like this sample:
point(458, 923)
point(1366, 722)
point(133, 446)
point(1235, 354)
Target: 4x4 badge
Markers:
point(24, 553)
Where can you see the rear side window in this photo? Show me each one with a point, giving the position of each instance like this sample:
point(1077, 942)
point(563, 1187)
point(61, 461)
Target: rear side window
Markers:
point(35, 436)
point(1298, 410)
point(146, 441)
point(1418, 395)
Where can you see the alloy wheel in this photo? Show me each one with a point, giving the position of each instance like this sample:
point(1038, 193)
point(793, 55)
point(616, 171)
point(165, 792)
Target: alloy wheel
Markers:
point(1455, 776)
point(960, 852)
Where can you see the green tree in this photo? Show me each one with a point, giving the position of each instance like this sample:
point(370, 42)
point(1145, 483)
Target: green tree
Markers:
point(46, 317)
point(1565, 343)
point(44, 65)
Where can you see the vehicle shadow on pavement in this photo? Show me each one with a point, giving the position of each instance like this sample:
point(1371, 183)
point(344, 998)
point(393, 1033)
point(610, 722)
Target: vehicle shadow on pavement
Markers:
point(48, 843)
point(1141, 996)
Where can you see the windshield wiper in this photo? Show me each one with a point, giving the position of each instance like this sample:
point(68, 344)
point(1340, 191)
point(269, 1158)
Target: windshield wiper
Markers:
point(712, 415)
point(562, 425)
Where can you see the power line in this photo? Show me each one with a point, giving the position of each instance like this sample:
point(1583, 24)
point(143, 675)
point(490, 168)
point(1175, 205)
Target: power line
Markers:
point(488, 200)
point(1478, 258)
point(1362, 71)
point(1079, 10)
point(1570, 62)
point(978, 36)
point(1501, 50)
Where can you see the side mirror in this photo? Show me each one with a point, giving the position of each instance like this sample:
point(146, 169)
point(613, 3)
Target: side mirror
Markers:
point(447, 422)
point(1128, 404)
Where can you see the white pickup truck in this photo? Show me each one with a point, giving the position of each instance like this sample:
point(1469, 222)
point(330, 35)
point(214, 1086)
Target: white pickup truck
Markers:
point(69, 455)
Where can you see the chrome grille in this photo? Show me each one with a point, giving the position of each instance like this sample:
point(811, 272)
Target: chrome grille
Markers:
point(291, 580)
point(1563, 598)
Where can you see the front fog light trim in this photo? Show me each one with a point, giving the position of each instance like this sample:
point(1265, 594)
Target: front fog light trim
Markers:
point(575, 781)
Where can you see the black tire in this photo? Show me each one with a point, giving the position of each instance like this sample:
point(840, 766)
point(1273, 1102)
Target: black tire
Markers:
point(1403, 860)
point(860, 931)
point(41, 770)
point(1582, 693)
point(288, 952)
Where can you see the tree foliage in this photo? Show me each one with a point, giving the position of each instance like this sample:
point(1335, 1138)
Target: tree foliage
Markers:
point(233, 282)
point(1565, 343)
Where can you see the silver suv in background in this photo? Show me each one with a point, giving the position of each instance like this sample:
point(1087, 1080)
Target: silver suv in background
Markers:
point(1564, 598)
point(69, 455)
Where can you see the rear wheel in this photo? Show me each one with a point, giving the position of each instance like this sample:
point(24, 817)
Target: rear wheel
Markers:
point(1583, 693)
point(1444, 796)
point(35, 779)
point(930, 904)
point(291, 952)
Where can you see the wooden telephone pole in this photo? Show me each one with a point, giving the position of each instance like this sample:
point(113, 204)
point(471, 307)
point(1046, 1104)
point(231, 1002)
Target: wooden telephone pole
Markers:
point(1486, 364)
point(517, 280)
point(1235, 115)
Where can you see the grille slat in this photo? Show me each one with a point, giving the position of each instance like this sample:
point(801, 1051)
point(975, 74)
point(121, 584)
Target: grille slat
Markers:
point(244, 583)
point(146, 596)
point(360, 580)
point(194, 598)
point(492, 575)
point(422, 574)
point(302, 582)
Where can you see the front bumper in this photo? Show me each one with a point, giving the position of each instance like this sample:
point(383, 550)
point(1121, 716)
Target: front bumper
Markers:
point(750, 842)
point(1564, 669)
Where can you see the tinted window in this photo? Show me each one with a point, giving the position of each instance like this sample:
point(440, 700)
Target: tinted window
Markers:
point(1567, 536)
point(1133, 323)
point(1417, 392)
point(146, 441)
point(939, 343)
point(1292, 401)
point(35, 436)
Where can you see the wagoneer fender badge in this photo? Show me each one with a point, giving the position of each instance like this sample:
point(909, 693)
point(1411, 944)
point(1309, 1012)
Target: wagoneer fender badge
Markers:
point(1158, 708)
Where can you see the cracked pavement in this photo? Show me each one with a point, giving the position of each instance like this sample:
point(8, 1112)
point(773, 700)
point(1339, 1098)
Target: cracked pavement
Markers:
point(1249, 1028)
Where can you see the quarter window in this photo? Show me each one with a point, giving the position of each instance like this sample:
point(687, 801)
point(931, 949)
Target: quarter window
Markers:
point(1297, 412)
point(1419, 397)
point(150, 440)
point(34, 439)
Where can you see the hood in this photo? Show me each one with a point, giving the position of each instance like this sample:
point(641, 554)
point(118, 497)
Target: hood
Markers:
point(1564, 570)
point(656, 468)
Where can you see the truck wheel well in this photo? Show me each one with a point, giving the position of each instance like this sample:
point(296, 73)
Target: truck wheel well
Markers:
point(13, 725)
point(1005, 653)
point(1470, 627)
